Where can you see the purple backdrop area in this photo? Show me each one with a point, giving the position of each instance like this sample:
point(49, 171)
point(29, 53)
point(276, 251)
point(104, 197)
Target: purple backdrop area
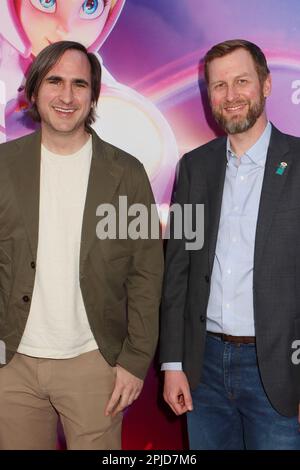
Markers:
point(162, 42)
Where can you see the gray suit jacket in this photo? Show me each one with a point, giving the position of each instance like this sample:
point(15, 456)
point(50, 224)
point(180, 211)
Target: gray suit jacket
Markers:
point(276, 278)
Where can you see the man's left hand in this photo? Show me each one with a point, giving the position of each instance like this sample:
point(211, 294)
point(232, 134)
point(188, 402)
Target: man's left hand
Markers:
point(127, 389)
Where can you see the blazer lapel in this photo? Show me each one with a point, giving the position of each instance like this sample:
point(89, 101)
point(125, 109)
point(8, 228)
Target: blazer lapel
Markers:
point(25, 173)
point(273, 184)
point(215, 180)
point(104, 178)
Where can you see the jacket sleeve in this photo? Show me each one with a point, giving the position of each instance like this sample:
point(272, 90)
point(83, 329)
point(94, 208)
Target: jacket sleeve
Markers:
point(144, 281)
point(175, 278)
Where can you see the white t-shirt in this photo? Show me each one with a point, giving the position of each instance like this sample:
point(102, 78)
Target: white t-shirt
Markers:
point(57, 325)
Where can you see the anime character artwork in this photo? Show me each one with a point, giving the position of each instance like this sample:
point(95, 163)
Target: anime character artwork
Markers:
point(125, 118)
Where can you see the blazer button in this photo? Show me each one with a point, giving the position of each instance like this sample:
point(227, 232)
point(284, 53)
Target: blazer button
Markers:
point(25, 298)
point(206, 277)
point(202, 318)
point(32, 264)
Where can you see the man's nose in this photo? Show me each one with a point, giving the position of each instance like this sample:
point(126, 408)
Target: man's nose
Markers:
point(231, 92)
point(66, 94)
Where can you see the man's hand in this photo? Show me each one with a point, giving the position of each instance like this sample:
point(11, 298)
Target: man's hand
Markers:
point(177, 392)
point(127, 389)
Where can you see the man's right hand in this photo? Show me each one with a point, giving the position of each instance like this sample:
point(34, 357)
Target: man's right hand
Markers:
point(177, 391)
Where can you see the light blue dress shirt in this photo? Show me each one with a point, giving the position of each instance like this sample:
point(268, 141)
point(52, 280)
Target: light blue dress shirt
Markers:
point(230, 304)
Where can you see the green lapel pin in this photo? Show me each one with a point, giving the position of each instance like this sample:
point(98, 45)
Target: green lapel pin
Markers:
point(281, 168)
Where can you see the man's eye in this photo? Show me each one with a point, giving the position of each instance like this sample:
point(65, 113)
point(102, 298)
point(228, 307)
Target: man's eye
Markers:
point(47, 6)
point(91, 9)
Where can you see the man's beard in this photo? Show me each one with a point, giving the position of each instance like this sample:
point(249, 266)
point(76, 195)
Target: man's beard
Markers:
point(237, 125)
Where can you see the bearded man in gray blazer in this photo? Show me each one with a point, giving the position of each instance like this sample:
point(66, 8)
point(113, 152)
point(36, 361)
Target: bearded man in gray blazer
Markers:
point(230, 329)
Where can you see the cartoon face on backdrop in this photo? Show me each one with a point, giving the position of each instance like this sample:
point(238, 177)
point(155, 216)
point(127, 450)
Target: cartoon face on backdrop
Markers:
point(30, 25)
point(48, 21)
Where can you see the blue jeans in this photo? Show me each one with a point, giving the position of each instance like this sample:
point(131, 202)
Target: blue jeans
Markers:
point(231, 409)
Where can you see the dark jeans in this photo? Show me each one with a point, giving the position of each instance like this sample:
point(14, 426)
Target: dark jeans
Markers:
point(231, 409)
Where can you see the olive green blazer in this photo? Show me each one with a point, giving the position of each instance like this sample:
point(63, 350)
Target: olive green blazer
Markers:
point(120, 279)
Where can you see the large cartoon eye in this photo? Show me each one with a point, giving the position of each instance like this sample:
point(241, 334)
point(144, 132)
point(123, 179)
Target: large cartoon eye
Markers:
point(91, 9)
point(47, 6)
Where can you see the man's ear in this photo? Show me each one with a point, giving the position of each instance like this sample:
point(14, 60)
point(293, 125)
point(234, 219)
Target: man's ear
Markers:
point(267, 88)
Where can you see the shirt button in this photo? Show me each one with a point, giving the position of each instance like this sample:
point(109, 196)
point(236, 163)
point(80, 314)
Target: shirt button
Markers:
point(242, 178)
point(32, 264)
point(229, 271)
point(227, 305)
point(25, 298)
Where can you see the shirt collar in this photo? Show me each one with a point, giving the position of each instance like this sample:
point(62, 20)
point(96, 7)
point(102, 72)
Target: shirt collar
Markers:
point(258, 152)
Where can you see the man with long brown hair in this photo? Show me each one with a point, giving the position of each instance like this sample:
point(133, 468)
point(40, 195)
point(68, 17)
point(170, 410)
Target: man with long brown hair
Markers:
point(78, 313)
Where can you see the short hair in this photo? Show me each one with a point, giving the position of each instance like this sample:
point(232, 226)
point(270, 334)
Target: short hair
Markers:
point(47, 59)
point(226, 47)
